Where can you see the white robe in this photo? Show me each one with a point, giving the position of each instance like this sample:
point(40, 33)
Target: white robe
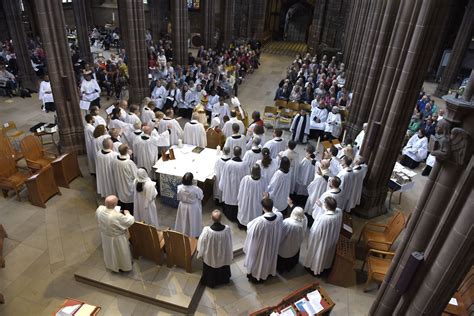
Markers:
point(220, 111)
point(99, 120)
point(279, 189)
point(304, 176)
point(158, 96)
point(334, 193)
point(215, 247)
point(292, 236)
point(262, 244)
point(322, 115)
point(45, 93)
point(90, 90)
point(297, 128)
point(315, 189)
point(359, 175)
point(232, 173)
point(250, 199)
point(268, 172)
point(144, 206)
point(105, 172)
point(147, 115)
point(189, 216)
point(90, 146)
point(194, 134)
point(294, 163)
point(322, 241)
point(132, 118)
point(125, 172)
point(236, 140)
point(276, 145)
point(145, 150)
point(176, 130)
point(347, 184)
point(227, 129)
point(335, 165)
point(252, 156)
point(113, 231)
point(218, 168)
point(333, 124)
point(416, 148)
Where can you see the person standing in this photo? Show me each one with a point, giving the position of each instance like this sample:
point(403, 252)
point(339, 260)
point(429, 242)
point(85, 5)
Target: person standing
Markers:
point(236, 140)
point(113, 226)
point(251, 190)
point(293, 232)
point(90, 142)
point(279, 187)
point(189, 216)
point(144, 197)
point(125, 172)
point(218, 168)
point(45, 95)
point(276, 144)
point(194, 132)
point(105, 160)
point(215, 248)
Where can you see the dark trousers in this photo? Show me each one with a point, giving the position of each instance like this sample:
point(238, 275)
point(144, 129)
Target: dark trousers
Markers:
point(126, 206)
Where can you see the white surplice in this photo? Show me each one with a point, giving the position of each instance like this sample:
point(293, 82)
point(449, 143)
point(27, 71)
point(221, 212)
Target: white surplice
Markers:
point(335, 165)
point(347, 184)
point(233, 172)
point(315, 189)
point(147, 115)
point(227, 129)
point(322, 241)
point(292, 236)
point(158, 95)
point(45, 93)
point(113, 227)
point(416, 148)
point(236, 140)
point(175, 128)
point(262, 244)
point(304, 176)
point(218, 168)
point(293, 156)
point(276, 145)
point(194, 134)
point(359, 174)
point(334, 193)
point(250, 199)
point(252, 156)
point(322, 115)
point(105, 161)
point(268, 172)
point(279, 189)
point(99, 120)
point(144, 206)
point(145, 150)
point(189, 216)
point(90, 90)
point(90, 146)
point(125, 172)
point(215, 247)
point(220, 111)
point(333, 124)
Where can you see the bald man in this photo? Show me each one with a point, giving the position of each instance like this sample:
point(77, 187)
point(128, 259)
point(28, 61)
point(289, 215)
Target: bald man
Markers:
point(145, 148)
point(215, 249)
point(113, 225)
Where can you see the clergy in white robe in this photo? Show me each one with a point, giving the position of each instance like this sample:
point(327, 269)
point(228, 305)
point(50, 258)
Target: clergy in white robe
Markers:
point(113, 226)
point(133, 115)
point(158, 95)
point(333, 124)
point(334, 191)
point(250, 197)
point(189, 216)
point(347, 183)
point(317, 187)
point(262, 243)
point(300, 127)
point(45, 95)
point(254, 154)
point(258, 131)
point(227, 129)
point(276, 144)
point(95, 112)
point(323, 237)
point(268, 165)
point(334, 162)
point(144, 196)
point(415, 151)
point(194, 133)
point(236, 140)
point(215, 249)
point(90, 90)
point(145, 148)
point(293, 156)
point(292, 236)
point(105, 161)
point(305, 172)
point(218, 169)
point(319, 115)
point(233, 172)
point(125, 172)
point(168, 122)
point(360, 170)
point(279, 187)
point(99, 135)
point(90, 142)
point(148, 114)
point(220, 110)
point(359, 140)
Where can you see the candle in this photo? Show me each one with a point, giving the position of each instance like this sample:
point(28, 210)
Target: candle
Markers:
point(113, 16)
point(317, 145)
point(344, 136)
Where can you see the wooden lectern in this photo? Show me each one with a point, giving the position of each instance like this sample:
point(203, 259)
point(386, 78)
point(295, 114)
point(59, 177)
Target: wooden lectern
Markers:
point(66, 169)
point(42, 186)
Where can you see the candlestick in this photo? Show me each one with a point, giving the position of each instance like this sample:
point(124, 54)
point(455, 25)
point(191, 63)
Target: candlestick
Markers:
point(344, 136)
point(317, 146)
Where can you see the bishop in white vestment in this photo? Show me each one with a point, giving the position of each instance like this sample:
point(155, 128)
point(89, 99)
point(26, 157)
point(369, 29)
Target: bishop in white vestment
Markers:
point(279, 187)
point(189, 216)
point(262, 243)
point(105, 161)
point(292, 236)
point(250, 197)
point(125, 172)
point(113, 226)
point(144, 197)
point(194, 133)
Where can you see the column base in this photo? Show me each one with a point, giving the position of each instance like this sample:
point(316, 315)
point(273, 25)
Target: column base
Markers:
point(372, 203)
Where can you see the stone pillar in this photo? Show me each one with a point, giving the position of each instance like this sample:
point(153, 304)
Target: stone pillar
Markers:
point(229, 13)
point(440, 226)
point(52, 29)
point(401, 79)
point(180, 32)
point(259, 9)
point(329, 18)
point(26, 73)
point(159, 13)
point(463, 39)
point(209, 23)
point(349, 29)
point(317, 25)
point(133, 12)
point(82, 29)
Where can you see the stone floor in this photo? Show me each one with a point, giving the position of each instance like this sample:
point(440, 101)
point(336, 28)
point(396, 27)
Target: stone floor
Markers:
point(46, 246)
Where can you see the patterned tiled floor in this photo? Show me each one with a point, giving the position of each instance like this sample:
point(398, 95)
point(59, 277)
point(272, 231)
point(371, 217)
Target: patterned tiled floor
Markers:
point(46, 246)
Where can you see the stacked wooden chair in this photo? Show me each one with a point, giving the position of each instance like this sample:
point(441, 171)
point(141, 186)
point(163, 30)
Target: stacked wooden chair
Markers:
point(35, 155)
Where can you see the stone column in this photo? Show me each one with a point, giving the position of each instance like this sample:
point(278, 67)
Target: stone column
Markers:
point(82, 29)
point(441, 226)
point(133, 12)
point(229, 13)
point(52, 29)
point(401, 78)
point(317, 25)
point(209, 23)
point(348, 30)
point(159, 12)
point(463, 39)
point(26, 73)
point(259, 9)
point(180, 32)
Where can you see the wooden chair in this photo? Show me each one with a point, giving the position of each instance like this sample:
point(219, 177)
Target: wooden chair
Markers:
point(214, 138)
point(10, 177)
point(284, 118)
point(378, 263)
point(147, 241)
point(381, 237)
point(305, 106)
point(9, 129)
point(294, 106)
point(180, 250)
point(8, 150)
point(281, 103)
point(270, 114)
point(34, 153)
